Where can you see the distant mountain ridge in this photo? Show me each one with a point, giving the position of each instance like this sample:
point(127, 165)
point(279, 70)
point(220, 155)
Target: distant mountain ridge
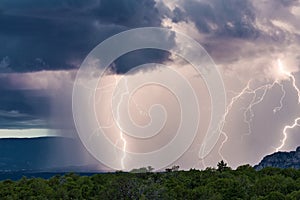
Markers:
point(281, 160)
point(43, 154)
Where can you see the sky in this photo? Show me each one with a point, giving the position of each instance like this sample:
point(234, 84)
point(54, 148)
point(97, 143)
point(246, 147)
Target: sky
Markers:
point(253, 43)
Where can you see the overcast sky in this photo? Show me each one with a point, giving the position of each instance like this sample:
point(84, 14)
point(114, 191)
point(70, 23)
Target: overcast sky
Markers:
point(43, 43)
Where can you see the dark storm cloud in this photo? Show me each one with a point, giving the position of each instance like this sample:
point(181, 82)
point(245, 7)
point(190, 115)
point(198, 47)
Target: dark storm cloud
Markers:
point(4, 65)
point(286, 2)
point(133, 13)
point(139, 57)
point(33, 43)
point(15, 120)
point(39, 99)
point(37, 35)
point(234, 18)
point(23, 109)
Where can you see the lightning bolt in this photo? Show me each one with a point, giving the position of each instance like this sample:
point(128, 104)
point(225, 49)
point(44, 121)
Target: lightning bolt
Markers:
point(285, 133)
point(256, 99)
point(292, 77)
point(248, 111)
point(278, 108)
point(121, 94)
point(106, 89)
point(227, 111)
point(121, 133)
point(248, 114)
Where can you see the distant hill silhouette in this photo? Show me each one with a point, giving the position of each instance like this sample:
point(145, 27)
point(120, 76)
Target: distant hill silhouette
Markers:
point(43, 154)
point(281, 160)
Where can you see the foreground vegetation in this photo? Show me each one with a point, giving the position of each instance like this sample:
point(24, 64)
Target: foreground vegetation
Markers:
point(220, 183)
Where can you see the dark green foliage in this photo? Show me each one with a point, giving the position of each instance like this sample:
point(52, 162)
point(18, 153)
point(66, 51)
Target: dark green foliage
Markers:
point(222, 183)
point(222, 166)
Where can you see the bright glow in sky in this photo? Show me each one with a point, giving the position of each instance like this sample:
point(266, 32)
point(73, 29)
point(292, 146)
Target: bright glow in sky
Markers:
point(27, 133)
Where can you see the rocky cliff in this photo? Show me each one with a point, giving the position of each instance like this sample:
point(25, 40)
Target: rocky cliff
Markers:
point(281, 160)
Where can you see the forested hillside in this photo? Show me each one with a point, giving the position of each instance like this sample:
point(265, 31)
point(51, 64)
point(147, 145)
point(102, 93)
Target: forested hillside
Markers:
point(214, 184)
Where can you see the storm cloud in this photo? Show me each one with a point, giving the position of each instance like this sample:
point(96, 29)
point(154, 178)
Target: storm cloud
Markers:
point(44, 42)
point(39, 35)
